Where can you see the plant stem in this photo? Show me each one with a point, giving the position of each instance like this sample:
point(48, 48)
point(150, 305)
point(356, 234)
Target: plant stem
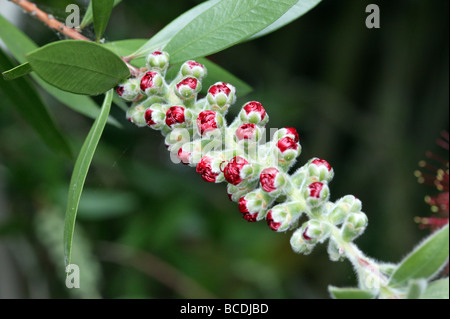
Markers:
point(54, 24)
point(49, 20)
point(367, 270)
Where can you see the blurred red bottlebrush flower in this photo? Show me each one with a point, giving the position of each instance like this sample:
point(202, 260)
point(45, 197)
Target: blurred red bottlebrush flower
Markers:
point(436, 175)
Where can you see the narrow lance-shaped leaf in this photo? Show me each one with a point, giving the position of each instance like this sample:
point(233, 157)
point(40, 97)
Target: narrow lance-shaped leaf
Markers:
point(438, 289)
point(101, 10)
point(224, 24)
point(79, 174)
point(29, 104)
point(19, 44)
point(78, 66)
point(425, 261)
point(297, 10)
point(349, 293)
point(159, 40)
point(89, 16)
point(17, 72)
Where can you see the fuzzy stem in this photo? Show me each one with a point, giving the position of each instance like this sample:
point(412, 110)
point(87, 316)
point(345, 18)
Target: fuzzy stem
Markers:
point(367, 269)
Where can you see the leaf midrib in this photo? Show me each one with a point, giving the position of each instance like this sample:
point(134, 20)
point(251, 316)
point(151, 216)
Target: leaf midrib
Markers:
point(78, 67)
point(212, 31)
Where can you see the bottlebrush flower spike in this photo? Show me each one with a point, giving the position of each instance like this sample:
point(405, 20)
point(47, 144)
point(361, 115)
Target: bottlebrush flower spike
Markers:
point(438, 178)
point(257, 173)
point(436, 175)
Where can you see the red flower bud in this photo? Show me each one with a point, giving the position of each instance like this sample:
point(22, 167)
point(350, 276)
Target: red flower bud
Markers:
point(120, 89)
point(233, 170)
point(187, 87)
point(204, 168)
point(193, 64)
point(272, 224)
point(190, 82)
point(193, 68)
point(243, 205)
point(267, 179)
point(314, 189)
point(148, 117)
point(184, 156)
point(220, 96)
point(255, 107)
point(175, 115)
point(206, 121)
point(306, 237)
point(320, 162)
point(287, 143)
point(151, 82)
point(293, 131)
point(244, 210)
point(219, 88)
point(250, 217)
point(246, 131)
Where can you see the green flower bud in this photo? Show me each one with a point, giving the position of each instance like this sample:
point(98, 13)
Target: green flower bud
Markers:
point(315, 231)
point(136, 115)
point(158, 61)
point(316, 193)
point(128, 89)
point(194, 69)
point(335, 252)
point(299, 244)
point(344, 206)
point(320, 170)
point(284, 216)
point(354, 225)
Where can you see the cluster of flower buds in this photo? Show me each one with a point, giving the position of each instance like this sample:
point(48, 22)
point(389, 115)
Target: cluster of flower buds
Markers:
point(257, 172)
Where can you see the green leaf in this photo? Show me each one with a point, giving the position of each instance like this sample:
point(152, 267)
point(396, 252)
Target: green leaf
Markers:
point(19, 44)
point(350, 293)
point(296, 11)
point(33, 110)
point(416, 288)
point(126, 47)
point(226, 23)
point(79, 67)
point(213, 26)
point(438, 289)
point(101, 11)
point(79, 174)
point(89, 17)
point(17, 72)
point(159, 40)
point(425, 261)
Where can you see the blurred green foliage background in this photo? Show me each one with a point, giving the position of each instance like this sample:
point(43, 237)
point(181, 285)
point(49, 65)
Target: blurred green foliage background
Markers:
point(369, 101)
